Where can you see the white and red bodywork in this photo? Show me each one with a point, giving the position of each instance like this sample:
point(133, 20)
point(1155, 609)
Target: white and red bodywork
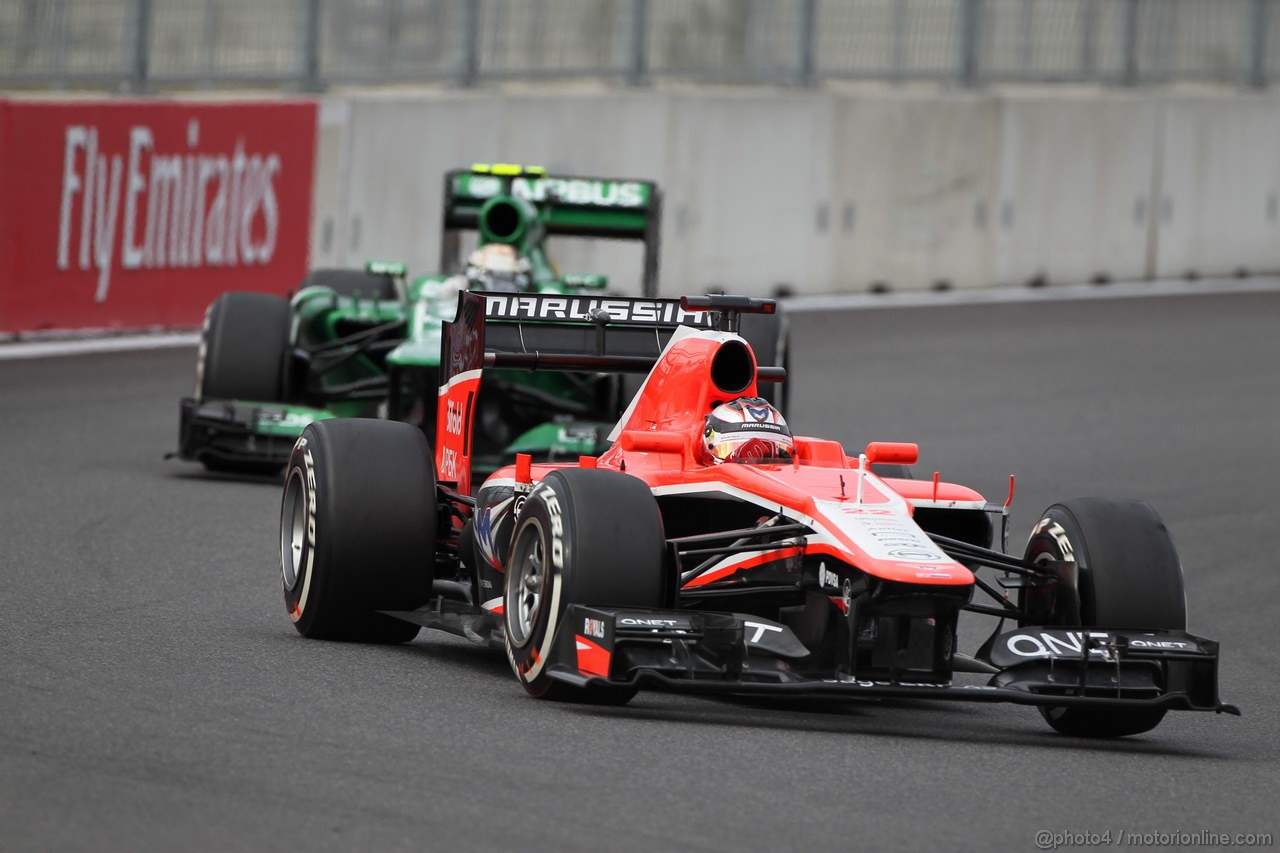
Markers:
point(814, 576)
point(857, 518)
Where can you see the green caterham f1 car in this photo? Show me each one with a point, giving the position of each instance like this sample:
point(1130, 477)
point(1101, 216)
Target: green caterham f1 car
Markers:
point(366, 342)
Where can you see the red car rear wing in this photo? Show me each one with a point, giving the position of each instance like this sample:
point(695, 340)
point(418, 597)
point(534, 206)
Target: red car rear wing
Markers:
point(610, 334)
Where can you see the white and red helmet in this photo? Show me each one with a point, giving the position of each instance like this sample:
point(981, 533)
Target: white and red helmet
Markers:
point(748, 430)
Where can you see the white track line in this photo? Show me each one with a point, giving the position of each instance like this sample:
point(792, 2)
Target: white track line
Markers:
point(1049, 293)
point(89, 346)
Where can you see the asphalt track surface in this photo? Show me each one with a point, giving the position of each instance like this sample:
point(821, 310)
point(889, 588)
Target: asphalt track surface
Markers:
point(153, 695)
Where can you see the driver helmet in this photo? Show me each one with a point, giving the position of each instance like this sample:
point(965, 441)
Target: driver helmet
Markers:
point(497, 267)
point(748, 430)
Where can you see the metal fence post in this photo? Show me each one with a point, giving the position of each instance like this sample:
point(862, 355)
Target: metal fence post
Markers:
point(1088, 40)
point(141, 59)
point(899, 25)
point(1026, 32)
point(805, 64)
point(1259, 22)
point(970, 41)
point(311, 46)
point(638, 49)
point(469, 60)
point(1129, 44)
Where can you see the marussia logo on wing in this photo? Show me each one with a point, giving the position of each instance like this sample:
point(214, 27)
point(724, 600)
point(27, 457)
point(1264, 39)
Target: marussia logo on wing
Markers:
point(164, 209)
point(587, 308)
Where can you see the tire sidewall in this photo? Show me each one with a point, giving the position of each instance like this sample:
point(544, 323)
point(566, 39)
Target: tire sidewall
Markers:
point(368, 538)
point(202, 351)
point(604, 546)
point(307, 581)
point(547, 515)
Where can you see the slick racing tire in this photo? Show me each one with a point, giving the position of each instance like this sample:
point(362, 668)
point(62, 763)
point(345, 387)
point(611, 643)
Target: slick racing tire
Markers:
point(243, 347)
point(357, 529)
point(770, 339)
point(349, 282)
point(242, 354)
point(583, 537)
point(1128, 576)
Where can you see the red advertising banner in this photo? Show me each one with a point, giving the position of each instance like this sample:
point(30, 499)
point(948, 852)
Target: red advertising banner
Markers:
point(124, 214)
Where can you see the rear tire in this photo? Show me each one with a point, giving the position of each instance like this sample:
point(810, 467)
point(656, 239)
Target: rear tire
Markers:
point(1128, 576)
point(350, 282)
point(243, 349)
point(358, 529)
point(607, 529)
point(770, 339)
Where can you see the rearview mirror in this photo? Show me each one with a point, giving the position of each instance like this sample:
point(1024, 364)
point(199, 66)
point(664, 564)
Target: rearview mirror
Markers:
point(897, 452)
point(587, 280)
point(395, 269)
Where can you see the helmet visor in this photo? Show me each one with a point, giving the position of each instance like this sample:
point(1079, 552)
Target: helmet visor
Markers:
point(751, 447)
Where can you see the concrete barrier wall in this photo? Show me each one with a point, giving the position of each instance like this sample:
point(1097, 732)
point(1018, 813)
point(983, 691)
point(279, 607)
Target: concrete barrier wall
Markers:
point(837, 191)
point(914, 180)
point(1219, 178)
point(389, 163)
point(1076, 173)
point(747, 177)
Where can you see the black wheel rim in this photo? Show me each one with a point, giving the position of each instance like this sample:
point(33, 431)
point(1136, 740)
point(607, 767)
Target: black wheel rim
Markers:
point(293, 529)
point(526, 583)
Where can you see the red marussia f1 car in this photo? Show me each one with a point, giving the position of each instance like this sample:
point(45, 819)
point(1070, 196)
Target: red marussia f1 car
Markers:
point(657, 564)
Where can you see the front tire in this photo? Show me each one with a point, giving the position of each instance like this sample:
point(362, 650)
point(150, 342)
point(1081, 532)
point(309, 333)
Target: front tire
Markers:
point(358, 529)
point(243, 348)
point(1128, 576)
point(584, 536)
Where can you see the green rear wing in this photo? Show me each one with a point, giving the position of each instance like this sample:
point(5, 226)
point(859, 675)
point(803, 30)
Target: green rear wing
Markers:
point(575, 206)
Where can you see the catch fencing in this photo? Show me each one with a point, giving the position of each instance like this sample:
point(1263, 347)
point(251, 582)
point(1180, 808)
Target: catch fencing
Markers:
point(313, 45)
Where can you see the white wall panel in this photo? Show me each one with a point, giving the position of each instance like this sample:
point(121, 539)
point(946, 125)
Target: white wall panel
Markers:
point(914, 176)
point(1076, 174)
point(836, 190)
point(1220, 178)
